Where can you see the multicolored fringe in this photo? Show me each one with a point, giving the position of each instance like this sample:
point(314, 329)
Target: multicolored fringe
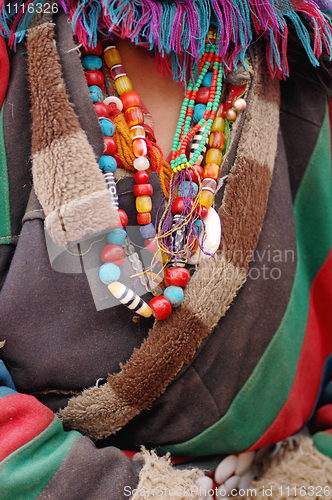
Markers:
point(179, 27)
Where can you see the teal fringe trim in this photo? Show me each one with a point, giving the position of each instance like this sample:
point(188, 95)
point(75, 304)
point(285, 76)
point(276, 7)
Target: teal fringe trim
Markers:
point(180, 27)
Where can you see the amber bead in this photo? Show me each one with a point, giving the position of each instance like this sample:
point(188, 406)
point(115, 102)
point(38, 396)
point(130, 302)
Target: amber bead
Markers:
point(213, 155)
point(144, 218)
point(130, 99)
point(143, 204)
point(134, 116)
point(209, 184)
point(140, 147)
point(217, 140)
point(143, 190)
point(206, 198)
point(218, 124)
point(123, 84)
point(117, 71)
point(112, 56)
point(211, 171)
point(137, 132)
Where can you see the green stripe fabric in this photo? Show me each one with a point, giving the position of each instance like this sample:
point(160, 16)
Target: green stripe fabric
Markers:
point(323, 442)
point(24, 473)
point(5, 226)
point(258, 403)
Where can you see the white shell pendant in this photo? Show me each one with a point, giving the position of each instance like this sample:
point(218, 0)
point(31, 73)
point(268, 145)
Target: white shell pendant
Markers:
point(211, 236)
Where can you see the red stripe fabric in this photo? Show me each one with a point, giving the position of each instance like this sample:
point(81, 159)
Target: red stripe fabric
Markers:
point(323, 418)
point(317, 345)
point(22, 418)
point(4, 70)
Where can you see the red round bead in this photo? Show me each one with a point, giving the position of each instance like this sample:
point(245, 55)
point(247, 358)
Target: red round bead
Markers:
point(110, 145)
point(123, 217)
point(177, 276)
point(130, 99)
point(121, 221)
point(141, 177)
point(94, 77)
point(93, 51)
point(143, 190)
point(202, 211)
point(113, 253)
point(151, 244)
point(221, 110)
point(192, 174)
point(101, 109)
point(161, 307)
point(144, 218)
point(202, 95)
point(178, 205)
point(118, 160)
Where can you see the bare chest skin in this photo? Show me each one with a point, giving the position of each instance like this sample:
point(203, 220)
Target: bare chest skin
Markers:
point(160, 94)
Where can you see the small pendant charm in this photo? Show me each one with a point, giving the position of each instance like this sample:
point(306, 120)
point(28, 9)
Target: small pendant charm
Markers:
point(130, 299)
point(210, 239)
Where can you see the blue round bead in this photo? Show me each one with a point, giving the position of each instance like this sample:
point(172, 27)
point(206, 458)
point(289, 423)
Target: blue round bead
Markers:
point(107, 163)
point(174, 294)
point(199, 111)
point(108, 127)
point(207, 80)
point(199, 225)
point(109, 272)
point(189, 187)
point(117, 236)
point(147, 231)
point(91, 62)
point(96, 93)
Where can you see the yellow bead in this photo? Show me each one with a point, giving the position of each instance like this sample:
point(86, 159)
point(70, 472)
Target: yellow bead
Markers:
point(206, 198)
point(112, 57)
point(211, 171)
point(134, 116)
point(143, 204)
point(218, 125)
point(137, 132)
point(213, 155)
point(140, 147)
point(123, 84)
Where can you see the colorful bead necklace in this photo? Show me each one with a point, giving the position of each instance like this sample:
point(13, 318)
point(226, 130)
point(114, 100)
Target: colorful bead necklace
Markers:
point(204, 126)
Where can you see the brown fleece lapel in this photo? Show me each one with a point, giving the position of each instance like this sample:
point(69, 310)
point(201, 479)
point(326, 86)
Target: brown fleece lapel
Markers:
point(101, 411)
point(66, 176)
